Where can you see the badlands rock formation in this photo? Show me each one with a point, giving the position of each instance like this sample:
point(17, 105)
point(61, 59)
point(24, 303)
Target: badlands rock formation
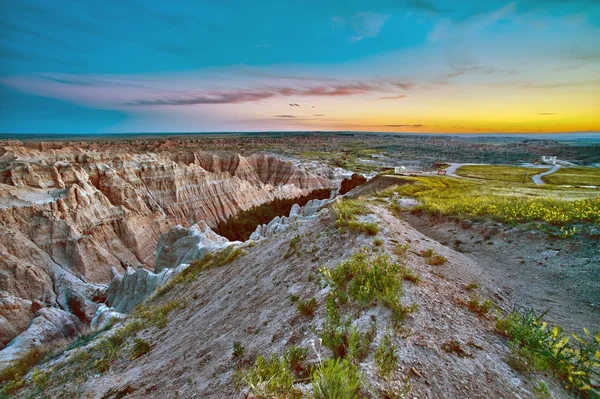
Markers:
point(68, 215)
point(177, 249)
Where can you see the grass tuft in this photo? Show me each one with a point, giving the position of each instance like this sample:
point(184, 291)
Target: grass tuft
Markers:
point(335, 378)
point(307, 307)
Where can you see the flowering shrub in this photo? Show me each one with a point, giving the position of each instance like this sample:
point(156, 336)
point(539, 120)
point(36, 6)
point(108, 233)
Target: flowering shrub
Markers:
point(575, 359)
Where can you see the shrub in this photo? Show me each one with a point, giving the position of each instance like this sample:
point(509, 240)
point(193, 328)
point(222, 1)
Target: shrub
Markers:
point(574, 362)
point(427, 253)
point(401, 250)
point(336, 378)
point(140, 348)
point(334, 333)
point(366, 279)
point(294, 357)
point(208, 261)
point(293, 249)
point(472, 286)
point(478, 306)
point(293, 298)
point(437, 260)
point(359, 343)
point(369, 280)
point(237, 350)
point(378, 242)
point(433, 258)
point(385, 356)
point(157, 316)
point(307, 307)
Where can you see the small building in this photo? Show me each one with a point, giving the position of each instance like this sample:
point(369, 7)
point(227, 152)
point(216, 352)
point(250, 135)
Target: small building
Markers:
point(548, 160)
point(399, 169)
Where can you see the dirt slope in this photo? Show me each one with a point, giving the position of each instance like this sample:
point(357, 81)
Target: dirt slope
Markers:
point(247, 301)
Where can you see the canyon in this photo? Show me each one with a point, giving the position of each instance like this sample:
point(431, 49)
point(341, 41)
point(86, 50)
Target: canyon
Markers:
point(72, 215)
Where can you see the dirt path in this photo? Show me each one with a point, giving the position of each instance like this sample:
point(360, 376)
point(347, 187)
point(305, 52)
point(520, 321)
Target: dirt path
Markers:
point(537, 179)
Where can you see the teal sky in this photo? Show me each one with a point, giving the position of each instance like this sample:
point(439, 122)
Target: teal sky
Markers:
point(412, 65)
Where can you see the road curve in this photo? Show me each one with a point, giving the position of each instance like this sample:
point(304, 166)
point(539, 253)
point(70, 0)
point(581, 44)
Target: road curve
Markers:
point(537, 179)
point(451, 170)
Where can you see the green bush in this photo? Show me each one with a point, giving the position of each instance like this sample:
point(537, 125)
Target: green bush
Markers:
point(335, 378)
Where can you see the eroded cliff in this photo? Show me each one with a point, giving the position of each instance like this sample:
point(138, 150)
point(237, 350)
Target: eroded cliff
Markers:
point(67, 215)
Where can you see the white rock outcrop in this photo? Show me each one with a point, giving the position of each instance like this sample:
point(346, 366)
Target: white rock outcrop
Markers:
point(280, 224)
point(176, 249)
point(49, 325)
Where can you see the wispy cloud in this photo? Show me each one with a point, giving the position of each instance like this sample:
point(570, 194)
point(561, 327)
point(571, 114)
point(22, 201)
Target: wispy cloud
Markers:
point(393, 97)
point(243, 96)
point(365, 24)
point(557, 85)
point(234, 97)
point(285, 116)
point(547, 113)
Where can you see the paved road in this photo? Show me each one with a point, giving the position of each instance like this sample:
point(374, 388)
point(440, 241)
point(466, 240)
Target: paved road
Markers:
point(451, 170)
point(537, 179)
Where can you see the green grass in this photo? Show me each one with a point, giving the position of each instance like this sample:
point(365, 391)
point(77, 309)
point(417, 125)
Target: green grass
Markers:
point(433, 258)
point(479, 306)
point(574, 177)
point(536, 345)
point(237, 350)
point(189, 274)
point(270, 378)
point(346, 213)
point(508, 203)
point(385, 358)
point(335, 378)
point(514, 174)
point(368, 280)
point(140, 348)
point(307, 307)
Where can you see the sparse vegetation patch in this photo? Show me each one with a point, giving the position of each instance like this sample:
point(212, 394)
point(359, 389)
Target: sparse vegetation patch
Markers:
point(346, 214)
point(506, 203)
point(575, 360)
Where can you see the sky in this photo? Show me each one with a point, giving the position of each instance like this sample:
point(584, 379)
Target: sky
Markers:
point(460, 66)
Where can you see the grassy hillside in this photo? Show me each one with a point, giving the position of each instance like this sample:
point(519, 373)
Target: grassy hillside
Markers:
point(574, 177)
point(500, 173)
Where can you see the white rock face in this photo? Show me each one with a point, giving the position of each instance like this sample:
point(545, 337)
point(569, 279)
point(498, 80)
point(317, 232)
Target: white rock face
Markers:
point(49, 325)
point(176, 249)
point(180, 245)
point(103, 316)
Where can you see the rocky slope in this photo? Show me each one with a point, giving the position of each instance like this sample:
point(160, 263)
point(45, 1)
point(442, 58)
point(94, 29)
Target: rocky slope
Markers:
point(249, 301)
point(68, 214)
